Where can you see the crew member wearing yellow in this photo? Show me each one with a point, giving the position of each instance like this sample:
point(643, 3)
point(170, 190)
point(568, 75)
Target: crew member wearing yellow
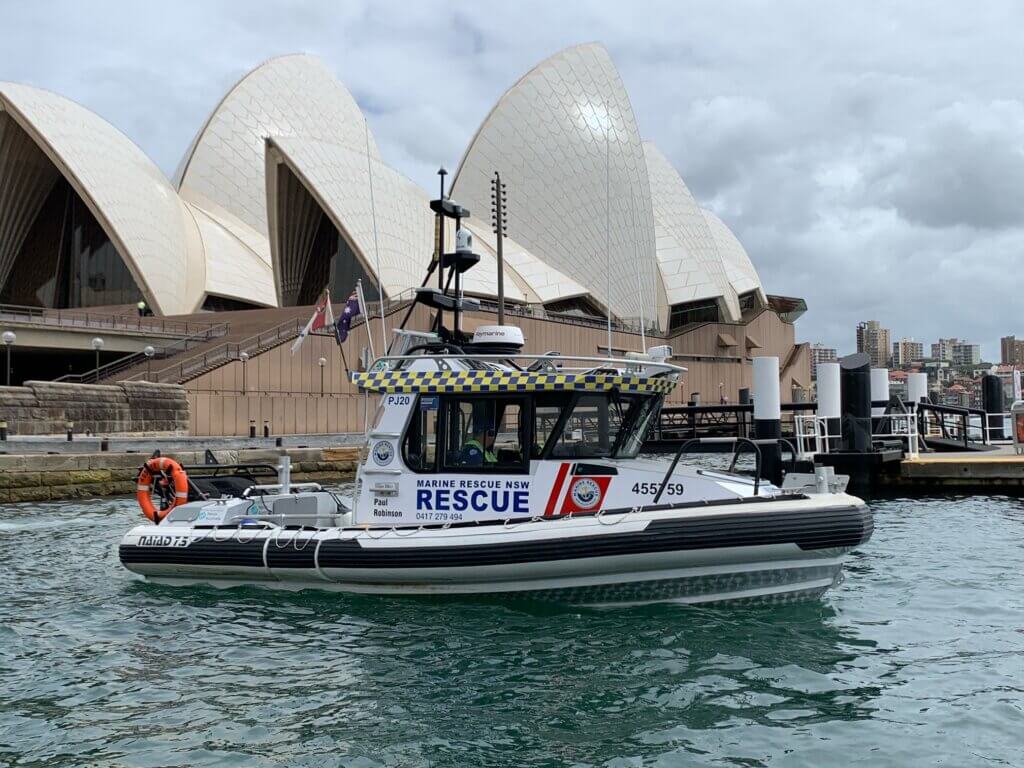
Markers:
point(479, 449)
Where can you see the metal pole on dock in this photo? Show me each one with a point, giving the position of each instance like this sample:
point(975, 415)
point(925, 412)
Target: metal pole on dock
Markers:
point(992, 403)
point(917, 391)
point(855, 388)
point(829, 401)
point(768, 415)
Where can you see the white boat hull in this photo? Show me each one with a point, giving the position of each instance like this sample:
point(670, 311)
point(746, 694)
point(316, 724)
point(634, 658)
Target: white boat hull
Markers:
point(758, 551)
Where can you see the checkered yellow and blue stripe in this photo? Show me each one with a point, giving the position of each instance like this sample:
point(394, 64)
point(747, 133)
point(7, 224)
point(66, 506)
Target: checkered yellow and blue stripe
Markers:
point(441, 382)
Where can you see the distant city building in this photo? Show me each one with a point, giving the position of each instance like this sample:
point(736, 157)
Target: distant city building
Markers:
point(1011, 351)
point(943, 349)
point(873, 339)
point(906, 352)
point(957, 351)
point(965, 353)
point(958, 395)
point(821, 354)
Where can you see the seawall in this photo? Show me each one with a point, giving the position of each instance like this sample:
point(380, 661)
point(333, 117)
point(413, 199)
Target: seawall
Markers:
point(34, 477)
point(129, 407)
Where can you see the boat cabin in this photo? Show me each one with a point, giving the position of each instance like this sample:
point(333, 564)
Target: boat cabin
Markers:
point(470, 437)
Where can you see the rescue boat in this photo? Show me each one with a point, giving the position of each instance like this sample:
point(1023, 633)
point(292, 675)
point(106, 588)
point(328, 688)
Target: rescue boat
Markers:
point(486, 474)
point(486, 471)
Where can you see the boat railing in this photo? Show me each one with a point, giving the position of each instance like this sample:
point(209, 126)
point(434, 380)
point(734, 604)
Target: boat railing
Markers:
point(393, 362)
point(812, 435)
point(738, 442)
point(902, 426)
point(997, 428)
point(950, 422)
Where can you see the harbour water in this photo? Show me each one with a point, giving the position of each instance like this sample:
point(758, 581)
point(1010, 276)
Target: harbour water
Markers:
point(916, 660)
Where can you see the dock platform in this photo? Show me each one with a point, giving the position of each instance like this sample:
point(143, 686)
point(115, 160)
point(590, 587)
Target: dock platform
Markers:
point(999, 470)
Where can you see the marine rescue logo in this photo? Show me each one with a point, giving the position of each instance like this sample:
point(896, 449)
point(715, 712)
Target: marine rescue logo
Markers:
point(586, 493)
point(383, 453)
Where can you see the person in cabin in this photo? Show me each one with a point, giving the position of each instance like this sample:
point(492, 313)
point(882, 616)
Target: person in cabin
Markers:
point(479, 449)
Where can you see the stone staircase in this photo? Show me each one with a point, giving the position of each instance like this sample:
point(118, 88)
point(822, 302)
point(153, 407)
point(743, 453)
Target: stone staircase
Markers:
point(251, 331)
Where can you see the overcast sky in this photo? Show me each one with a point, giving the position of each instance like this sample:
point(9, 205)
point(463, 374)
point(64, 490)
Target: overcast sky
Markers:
point(870, 156)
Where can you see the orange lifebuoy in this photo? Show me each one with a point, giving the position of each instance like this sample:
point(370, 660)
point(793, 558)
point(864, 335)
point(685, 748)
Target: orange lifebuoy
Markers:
point(166, 470)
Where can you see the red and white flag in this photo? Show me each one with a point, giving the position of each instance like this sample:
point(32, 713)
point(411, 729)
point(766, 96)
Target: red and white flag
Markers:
point(322, 316)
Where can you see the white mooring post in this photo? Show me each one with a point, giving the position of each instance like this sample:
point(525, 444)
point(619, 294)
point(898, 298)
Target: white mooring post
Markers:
point(879, 391)
point(768, 415)
point(917, 388)
point(830, 401)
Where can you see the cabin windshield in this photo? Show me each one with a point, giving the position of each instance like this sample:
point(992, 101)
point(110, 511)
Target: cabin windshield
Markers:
point(498, 433)
point(594, 424)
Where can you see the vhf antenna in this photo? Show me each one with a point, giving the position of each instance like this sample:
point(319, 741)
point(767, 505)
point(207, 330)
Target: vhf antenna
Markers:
point(499, 224)
point(441, 173)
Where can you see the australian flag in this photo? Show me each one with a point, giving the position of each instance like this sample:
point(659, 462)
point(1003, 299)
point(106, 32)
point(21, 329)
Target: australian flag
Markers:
point(348, 314)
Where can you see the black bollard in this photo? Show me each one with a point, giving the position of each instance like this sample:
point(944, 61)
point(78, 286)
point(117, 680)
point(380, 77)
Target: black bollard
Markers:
point(266, 429)
point(252, 427)
point(3, 431)
point(992, 403)
point(768, 416)
point(855, 389)
point(70, 426)
point(104, 444)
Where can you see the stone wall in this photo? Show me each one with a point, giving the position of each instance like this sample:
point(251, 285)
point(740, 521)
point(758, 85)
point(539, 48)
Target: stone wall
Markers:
point(80, 476)
point(126, 408)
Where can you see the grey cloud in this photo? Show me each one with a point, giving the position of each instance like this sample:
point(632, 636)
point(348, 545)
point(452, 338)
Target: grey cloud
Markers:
point(958, 175)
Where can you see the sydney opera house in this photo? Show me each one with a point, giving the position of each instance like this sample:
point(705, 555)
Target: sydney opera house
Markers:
point(283, 191)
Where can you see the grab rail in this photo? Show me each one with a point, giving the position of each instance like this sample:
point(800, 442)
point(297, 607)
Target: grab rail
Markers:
point(714, 441)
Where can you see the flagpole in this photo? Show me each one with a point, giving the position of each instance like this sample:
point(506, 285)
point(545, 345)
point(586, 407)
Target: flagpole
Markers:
point(366, 317)
point(376, 248)
point(348, 372)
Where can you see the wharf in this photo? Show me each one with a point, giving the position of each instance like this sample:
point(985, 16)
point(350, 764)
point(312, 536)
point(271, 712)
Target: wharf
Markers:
point(60, 476)
point(996, 470)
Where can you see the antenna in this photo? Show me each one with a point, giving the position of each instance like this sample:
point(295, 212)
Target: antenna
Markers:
point(500, 228)
point(376, 247)
point(636, 260)
point(608, 231)
point(441, 172)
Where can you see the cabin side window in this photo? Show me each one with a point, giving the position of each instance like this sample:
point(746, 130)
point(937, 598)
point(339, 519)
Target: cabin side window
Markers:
point(420, 446)
point(483, 433)
point(547, 410)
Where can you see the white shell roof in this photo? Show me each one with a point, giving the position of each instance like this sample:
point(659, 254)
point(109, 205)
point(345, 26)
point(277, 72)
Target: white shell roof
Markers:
point(540, 282)
point(287, 96)
point(559, 136)
point(688, 254)
point(738, 266)
point(233, 269)
point(339, 178)
point(129, 196)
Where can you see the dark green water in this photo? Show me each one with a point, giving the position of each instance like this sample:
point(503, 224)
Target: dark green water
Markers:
point(917, 660)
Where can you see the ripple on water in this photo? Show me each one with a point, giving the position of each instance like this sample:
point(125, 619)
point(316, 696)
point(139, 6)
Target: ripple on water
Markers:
point(914, 660)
